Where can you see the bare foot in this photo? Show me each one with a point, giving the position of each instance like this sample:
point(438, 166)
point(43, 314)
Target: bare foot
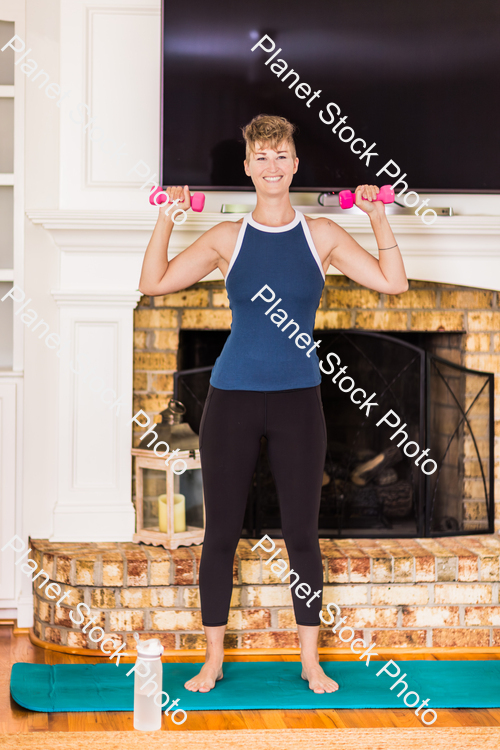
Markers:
point(209, 674)
point(318, 680)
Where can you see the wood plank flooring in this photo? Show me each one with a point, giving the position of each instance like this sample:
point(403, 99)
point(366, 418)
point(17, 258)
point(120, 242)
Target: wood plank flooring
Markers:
point(14, 719)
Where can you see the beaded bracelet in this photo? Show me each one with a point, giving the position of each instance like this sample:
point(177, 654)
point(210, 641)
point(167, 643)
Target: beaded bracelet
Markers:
point(388, 248)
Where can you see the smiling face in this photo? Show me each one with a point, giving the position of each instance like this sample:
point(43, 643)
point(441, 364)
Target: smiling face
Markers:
point(271, 171)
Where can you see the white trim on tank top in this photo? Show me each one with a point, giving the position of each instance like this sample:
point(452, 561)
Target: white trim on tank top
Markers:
point(310, 242)
point(299, 217)
point(265, 228)
point(238, 245)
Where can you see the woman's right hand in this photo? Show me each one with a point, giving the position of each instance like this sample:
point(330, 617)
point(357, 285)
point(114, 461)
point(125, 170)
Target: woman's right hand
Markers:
point(174, 193)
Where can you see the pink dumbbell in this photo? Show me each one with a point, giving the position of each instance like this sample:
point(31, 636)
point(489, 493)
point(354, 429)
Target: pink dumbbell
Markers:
point(385, 194)
point(197, 199)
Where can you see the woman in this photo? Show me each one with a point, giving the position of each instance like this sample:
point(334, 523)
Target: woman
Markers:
point(262, 383)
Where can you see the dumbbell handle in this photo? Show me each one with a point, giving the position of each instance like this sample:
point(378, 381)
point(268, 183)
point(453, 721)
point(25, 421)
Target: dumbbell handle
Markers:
point(385, 194)
point(197, 199)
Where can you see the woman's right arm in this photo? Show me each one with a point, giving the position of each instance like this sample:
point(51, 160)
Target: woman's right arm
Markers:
point(158, 275)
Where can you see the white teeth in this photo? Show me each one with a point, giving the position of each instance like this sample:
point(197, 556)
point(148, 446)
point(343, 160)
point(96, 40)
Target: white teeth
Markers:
point(273, 179)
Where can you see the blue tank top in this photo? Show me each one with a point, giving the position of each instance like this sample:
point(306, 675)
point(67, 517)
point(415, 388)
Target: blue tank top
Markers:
point(267, 349)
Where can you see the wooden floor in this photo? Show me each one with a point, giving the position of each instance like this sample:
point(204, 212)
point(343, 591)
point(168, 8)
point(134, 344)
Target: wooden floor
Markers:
point(15, 719)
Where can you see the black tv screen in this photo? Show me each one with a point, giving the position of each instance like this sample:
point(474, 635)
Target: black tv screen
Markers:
point(420, 80)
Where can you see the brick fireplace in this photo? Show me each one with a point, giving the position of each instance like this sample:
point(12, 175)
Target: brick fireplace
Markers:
point(457, 323)
point(403, 593)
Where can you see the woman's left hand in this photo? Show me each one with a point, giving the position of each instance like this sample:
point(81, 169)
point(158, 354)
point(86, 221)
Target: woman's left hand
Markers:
point(365, 199)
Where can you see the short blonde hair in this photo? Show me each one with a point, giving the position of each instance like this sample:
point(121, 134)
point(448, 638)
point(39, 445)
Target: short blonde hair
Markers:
point(270, 131)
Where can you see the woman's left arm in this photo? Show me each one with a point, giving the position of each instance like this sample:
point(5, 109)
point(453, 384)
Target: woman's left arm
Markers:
point(387, 274)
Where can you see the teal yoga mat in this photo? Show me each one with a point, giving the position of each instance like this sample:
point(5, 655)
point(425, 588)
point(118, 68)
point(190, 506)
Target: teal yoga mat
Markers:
point(259, 685)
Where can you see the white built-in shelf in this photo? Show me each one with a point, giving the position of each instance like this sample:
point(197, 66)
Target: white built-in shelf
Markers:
point(6, 274)
point(7, 92)
point(6, 178)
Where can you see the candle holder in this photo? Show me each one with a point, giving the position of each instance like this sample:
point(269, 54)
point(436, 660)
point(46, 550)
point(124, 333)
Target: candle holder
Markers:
point(170, 510)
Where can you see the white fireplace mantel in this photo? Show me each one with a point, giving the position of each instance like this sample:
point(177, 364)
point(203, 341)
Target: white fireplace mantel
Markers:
point(462, 250)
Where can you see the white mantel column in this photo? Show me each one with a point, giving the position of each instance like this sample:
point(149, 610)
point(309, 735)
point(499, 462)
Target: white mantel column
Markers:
point(95, 406)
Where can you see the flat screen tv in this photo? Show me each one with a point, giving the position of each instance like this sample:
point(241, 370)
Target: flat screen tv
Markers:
point(420, 80)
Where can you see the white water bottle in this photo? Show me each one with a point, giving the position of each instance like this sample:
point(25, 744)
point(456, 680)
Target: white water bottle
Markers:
point(148, 676)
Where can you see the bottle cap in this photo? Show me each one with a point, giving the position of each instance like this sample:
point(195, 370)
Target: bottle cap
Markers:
point(150, 649)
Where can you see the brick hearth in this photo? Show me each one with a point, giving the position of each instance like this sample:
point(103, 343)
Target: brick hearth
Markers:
point(398, 593)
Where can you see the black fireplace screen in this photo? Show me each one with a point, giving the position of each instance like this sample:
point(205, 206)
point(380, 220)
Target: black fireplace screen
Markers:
point(419, 463)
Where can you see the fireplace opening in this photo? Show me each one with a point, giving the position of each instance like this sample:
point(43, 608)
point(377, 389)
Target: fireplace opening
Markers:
point(371, 487)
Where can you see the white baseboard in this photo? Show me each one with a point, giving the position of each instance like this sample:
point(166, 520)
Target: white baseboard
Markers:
point(8, 614)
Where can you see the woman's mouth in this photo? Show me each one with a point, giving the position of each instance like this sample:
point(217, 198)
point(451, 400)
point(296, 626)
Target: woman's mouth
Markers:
point(273, 179)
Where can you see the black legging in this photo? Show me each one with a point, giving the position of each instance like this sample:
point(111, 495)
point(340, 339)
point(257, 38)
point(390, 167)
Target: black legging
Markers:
point(231, 427)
